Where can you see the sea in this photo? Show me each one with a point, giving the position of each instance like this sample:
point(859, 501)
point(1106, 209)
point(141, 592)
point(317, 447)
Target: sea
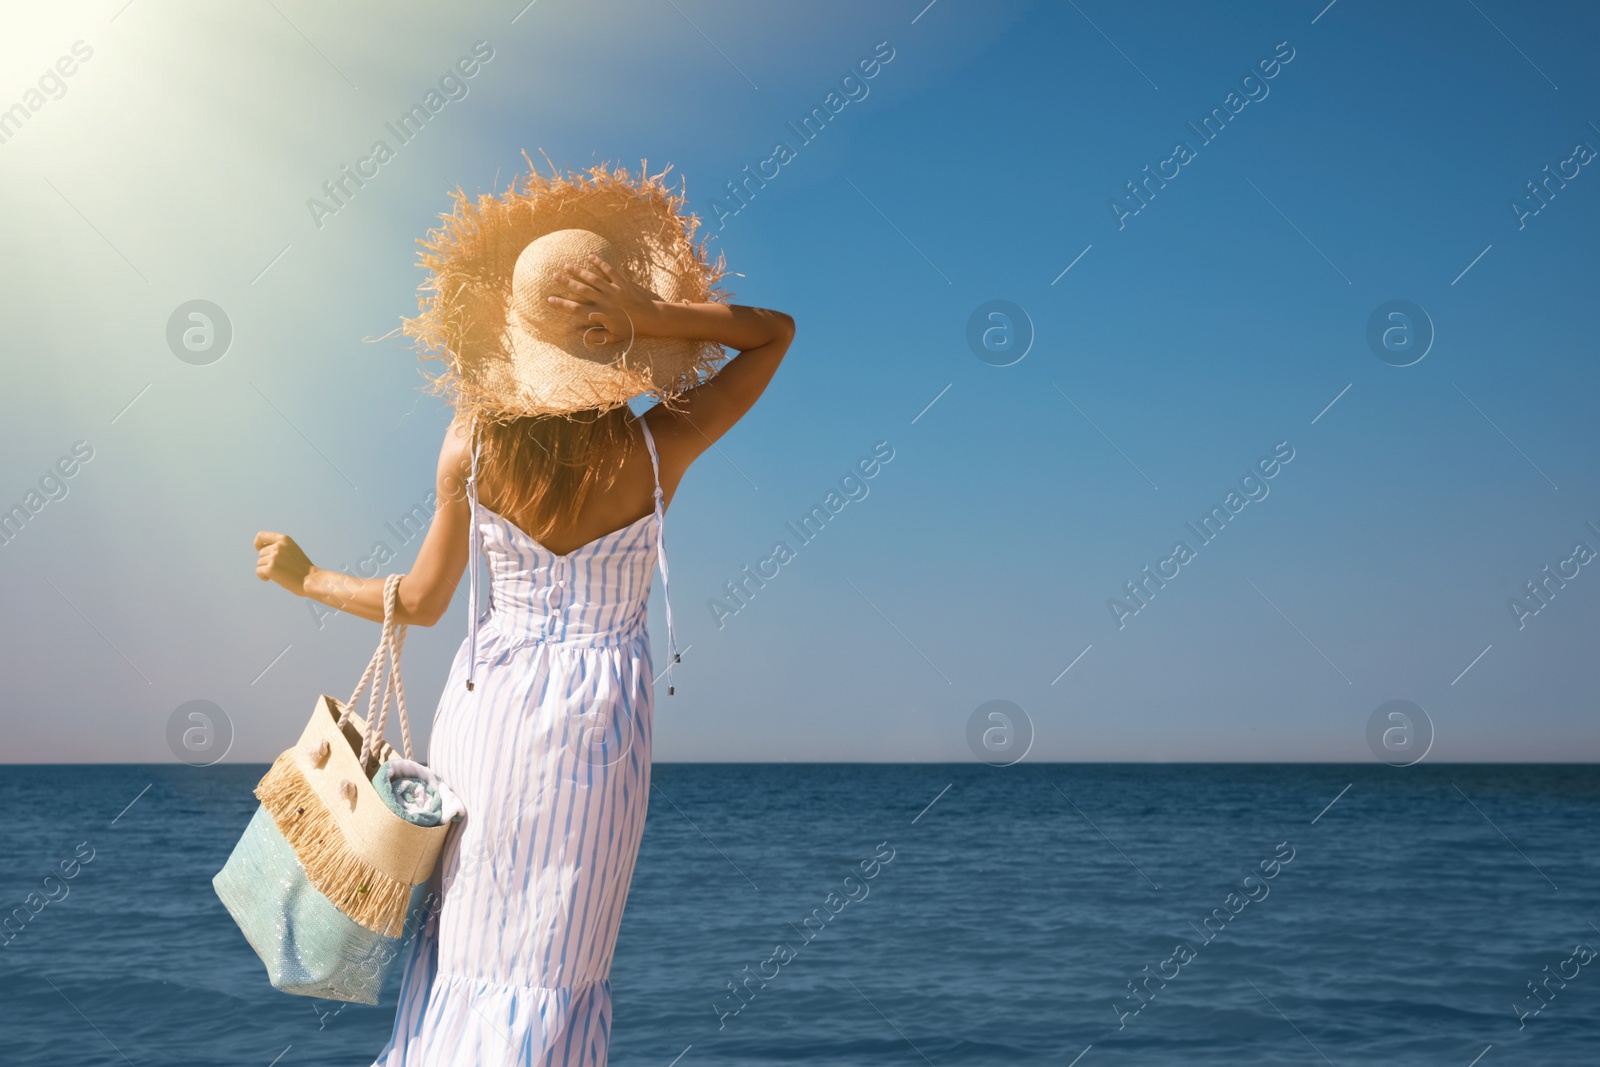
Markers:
point(1077, 915)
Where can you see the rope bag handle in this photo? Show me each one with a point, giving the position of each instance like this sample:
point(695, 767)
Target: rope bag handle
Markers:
point(392, 640)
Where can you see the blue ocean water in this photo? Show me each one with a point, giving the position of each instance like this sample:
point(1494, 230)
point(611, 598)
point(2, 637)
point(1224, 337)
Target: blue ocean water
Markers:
point(958, 914)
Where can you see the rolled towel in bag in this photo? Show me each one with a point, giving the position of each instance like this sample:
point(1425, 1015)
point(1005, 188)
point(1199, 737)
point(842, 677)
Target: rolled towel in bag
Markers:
point(413, 792)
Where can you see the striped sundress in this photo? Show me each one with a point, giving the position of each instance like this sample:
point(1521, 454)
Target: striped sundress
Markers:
point(544, 731)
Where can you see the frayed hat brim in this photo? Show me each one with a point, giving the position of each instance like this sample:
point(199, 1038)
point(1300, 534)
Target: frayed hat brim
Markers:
point(471, 259)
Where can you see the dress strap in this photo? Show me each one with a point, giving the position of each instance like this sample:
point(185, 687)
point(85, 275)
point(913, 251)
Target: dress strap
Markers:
point(661, 552)
point(474, 554)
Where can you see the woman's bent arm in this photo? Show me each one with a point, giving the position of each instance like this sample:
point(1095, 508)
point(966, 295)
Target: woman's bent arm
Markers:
point(425, 591)
point(703, 414)
point(608, 308)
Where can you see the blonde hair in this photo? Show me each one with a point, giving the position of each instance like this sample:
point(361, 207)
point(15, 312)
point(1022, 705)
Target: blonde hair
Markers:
point(540, 469)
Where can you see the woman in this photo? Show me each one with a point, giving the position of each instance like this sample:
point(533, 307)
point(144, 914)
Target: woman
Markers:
point(544, 727)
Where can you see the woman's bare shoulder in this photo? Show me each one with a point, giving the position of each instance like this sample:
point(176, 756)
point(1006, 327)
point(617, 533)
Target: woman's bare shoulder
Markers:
point(455, 453)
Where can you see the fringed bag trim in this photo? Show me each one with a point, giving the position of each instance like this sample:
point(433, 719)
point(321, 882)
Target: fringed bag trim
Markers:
point(368, 896)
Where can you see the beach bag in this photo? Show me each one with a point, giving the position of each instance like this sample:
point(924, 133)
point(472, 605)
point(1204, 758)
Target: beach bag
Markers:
point(330, 877)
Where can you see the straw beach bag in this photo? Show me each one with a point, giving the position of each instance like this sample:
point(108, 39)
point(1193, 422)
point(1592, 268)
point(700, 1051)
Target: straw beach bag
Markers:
point(328, 878)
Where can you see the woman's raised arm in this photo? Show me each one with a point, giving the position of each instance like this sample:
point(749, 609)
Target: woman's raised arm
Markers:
point(426, 590)
point(608, 308)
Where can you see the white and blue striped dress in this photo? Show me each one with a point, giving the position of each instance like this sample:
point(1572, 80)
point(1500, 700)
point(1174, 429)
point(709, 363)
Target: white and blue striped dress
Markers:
point(544, 730)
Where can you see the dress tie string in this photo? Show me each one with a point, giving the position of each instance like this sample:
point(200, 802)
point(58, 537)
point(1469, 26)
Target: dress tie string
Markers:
point(661, 554)
point(474, 552)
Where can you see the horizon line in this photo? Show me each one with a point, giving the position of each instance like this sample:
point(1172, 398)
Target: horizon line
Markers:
point(939, 763)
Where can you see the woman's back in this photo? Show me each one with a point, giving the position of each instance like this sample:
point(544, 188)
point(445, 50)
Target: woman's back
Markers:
point(630, 482)
point(588, 593)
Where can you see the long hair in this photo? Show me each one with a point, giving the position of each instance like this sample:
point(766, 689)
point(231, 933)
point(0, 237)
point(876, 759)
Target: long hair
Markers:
point(543, 468)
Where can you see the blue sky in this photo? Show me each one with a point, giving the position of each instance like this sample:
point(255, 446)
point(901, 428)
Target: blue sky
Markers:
point(978, 163)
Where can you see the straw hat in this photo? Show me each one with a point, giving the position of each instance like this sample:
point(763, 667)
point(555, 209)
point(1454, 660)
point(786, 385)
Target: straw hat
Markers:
point(506, 351)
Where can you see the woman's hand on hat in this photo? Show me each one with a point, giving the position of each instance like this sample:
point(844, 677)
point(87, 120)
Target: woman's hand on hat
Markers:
point(605, 305)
